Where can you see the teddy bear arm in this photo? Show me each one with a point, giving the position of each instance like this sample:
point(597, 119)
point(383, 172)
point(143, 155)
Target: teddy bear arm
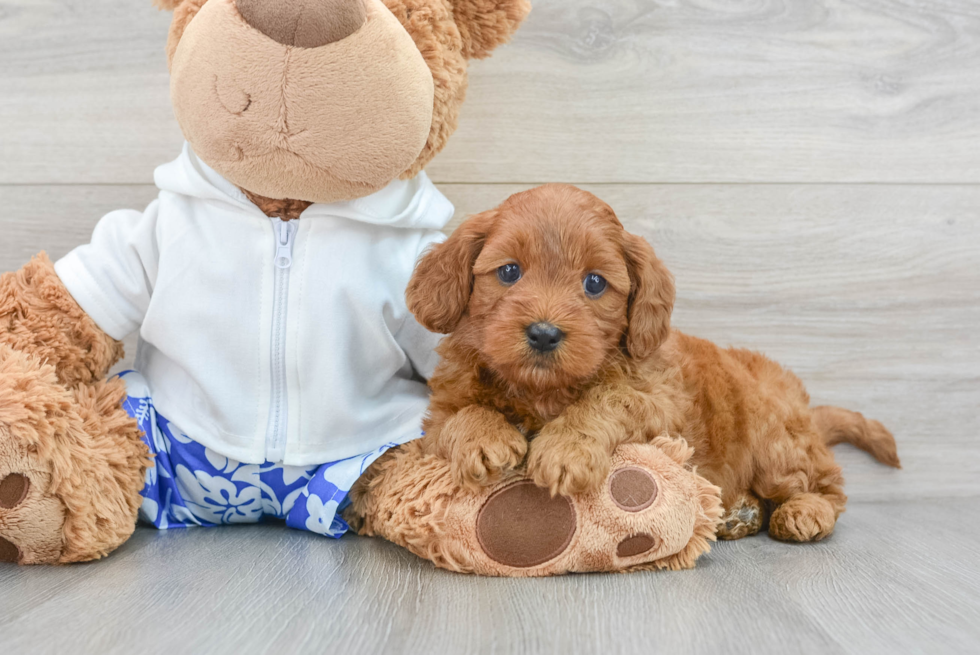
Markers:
point(39, 317)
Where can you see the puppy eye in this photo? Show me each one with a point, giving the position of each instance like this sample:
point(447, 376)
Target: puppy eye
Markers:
point(594, 285)
point(509, 274)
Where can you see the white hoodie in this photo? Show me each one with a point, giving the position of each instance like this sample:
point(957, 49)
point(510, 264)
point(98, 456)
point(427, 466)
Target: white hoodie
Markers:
point(267, 340)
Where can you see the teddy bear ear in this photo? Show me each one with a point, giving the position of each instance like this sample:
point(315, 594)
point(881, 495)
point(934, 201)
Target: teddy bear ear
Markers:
point(486, 24)
point(167, 5)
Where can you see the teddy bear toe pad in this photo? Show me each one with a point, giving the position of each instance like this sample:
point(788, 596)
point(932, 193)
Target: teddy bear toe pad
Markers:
point(632, 489)
point(30, 521)
point(13, 490)
point(636, 545)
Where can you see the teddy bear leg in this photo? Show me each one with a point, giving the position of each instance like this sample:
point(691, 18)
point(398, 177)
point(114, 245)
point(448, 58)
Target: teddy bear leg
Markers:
point(650, 513)
point(71, 465)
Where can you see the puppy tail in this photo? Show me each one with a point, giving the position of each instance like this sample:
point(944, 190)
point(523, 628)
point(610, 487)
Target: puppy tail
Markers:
point(839, 425)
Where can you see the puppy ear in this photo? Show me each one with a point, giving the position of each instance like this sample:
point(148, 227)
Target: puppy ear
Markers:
point(486, 24)
point(166, 5)
point(651, 298)
point(440, 288)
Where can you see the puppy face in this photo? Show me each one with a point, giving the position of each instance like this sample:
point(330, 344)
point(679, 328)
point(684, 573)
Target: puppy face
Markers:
point(545, 288)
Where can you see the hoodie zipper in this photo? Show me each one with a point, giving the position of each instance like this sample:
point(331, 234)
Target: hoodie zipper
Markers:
point(275, 444)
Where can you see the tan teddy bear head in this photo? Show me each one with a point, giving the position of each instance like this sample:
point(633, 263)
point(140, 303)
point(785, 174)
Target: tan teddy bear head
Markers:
point(326, 100)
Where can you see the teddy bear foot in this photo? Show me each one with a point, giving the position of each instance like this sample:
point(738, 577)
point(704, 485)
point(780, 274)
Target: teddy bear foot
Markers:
point(651, 512)
point(71, 465)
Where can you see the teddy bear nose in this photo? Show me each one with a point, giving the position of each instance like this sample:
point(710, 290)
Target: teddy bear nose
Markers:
point(544, 337)
point(304, 23)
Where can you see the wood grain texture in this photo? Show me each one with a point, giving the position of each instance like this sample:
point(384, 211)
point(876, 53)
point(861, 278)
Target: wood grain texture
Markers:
point(894, 578)
point(870, 293)
point(589, 91)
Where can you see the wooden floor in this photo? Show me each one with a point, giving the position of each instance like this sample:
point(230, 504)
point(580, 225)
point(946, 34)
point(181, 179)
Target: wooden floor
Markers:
point(895, 578)
point(810, 171)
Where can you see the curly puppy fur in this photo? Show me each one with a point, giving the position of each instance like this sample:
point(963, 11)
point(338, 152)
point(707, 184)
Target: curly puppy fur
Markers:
point(619, 375)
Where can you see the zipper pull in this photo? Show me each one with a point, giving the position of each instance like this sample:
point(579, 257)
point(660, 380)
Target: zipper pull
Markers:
point(284, 251)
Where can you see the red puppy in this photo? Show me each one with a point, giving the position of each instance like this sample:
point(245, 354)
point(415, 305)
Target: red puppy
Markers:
point(560, 350)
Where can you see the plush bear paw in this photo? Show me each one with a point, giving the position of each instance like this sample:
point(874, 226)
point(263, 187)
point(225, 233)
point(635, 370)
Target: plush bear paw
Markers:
point(650, 512)
point(31, 407)
point(31, 520)
point(71, 465)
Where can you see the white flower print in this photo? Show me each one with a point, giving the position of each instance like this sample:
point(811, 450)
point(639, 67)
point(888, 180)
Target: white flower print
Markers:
point(321, 515)
point(150, 510)
point(291, 474)
point(217, 500)
point(290, 501)
point(220, 462)
point(183, 516)
point(181, 437)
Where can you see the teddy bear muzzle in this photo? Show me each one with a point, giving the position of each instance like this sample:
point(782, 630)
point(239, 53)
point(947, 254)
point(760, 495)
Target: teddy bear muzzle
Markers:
point(304, 23)
point(310, 100)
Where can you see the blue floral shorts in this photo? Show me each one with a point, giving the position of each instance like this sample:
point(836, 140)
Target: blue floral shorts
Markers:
point(191, 485)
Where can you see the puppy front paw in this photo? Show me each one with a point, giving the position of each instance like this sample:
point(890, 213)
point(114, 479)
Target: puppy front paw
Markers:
point(567, 464)
point(479, 459)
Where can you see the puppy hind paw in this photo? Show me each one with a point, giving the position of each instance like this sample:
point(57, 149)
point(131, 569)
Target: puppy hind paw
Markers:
point(742, 518)
point(805, 517)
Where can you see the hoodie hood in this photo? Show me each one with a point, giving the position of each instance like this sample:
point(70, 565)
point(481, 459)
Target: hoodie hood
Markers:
point(414, 203)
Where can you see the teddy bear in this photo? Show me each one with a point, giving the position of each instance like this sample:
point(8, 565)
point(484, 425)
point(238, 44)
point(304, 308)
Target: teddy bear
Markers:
point(279, 373)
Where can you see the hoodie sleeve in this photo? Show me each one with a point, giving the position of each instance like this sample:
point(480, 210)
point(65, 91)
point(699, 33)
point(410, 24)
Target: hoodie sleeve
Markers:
point(112, 277)
point(417, 342)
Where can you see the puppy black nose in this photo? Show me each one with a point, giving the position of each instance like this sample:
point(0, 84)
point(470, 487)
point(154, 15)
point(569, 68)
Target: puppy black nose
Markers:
point(544, 337)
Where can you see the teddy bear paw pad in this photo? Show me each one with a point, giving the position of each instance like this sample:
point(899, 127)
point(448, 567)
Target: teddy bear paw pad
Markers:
point(31, 521)
point(9, 553)
point(13, 490)
point(522, 525)
point(632, 489)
